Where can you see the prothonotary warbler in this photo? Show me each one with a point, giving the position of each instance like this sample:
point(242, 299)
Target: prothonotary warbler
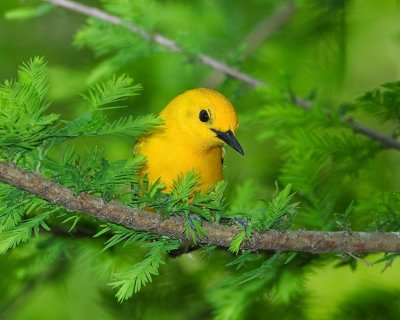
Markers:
point(196, 125)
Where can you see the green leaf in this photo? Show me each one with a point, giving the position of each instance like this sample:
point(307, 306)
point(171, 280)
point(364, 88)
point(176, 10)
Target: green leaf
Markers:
point(96, 124)
point(111, 91)
point(23, 232)
point(130, 126)
point(28, 12)
point(140, 274)
point(343, 221)
point(106, 229)
point(125, 236)
point(383, 102)
point(93, 174)
point(193, 229)
point(237, 241)
point(23, 124)
point(278, 214)
point(185, 186)
point(267, 269)
point(75, 219)
point(243, 259)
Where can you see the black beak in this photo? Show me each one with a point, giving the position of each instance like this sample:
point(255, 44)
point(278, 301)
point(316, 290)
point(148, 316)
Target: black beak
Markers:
point(230, 139)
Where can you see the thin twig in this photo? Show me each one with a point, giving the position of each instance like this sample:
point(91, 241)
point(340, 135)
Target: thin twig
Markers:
point(386, 141)
point(218, 235)
point(157, 38)
point(268, 27)
point(366, 262)
point(257, 36)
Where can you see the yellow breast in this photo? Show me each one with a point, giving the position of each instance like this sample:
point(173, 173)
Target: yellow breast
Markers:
point(167, 159)
point(196, 124)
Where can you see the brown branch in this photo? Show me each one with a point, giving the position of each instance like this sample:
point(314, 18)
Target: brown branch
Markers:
point(219, 235)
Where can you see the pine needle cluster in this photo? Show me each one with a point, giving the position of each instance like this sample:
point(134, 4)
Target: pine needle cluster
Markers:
point(323, 156)
point(324, 166)
point(24, 217)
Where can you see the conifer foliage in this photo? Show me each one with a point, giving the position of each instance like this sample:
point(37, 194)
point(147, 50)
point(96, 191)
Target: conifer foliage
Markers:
point(29, 136)
point(323, 183)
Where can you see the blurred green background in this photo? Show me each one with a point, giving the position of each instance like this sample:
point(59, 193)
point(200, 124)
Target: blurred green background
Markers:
point(334, 49)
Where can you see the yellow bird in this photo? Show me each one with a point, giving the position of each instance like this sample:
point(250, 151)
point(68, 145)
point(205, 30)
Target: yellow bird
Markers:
point(196, 125)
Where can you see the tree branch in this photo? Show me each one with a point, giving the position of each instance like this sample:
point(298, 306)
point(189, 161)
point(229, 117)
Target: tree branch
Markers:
point(157, 38)
point(268, 26)
point(219, 235)
point(357, 127)
point(257, 36)
point(386, 141)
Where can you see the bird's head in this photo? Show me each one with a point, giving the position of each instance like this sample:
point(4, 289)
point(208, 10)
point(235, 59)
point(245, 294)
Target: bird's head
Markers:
point(203, 117)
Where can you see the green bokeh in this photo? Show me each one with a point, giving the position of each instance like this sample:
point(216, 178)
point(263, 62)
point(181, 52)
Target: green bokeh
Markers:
point(339, 54)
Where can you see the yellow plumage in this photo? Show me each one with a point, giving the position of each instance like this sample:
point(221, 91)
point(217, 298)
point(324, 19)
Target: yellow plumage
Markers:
point(196, 124)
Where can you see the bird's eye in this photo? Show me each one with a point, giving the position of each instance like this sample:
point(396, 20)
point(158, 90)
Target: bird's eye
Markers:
point(204, 116)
